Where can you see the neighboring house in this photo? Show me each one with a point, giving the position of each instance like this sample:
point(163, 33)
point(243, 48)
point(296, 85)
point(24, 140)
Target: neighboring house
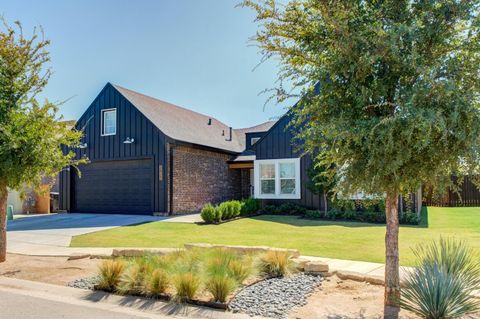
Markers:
point(31, 202)
point(148, 156)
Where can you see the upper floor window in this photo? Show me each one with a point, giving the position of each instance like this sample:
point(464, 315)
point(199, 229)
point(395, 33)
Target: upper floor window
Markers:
point(277, 178)
point(254, 140)
point(109, 122)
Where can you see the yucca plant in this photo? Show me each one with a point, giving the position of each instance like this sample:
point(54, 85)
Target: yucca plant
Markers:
point(444, 282)
point(186, 286)
point(156, 282)
point(220, 286)
point(276, 263)
point(109, 273)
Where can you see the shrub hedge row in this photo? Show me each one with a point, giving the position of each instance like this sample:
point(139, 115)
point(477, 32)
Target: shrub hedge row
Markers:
point(369, 211)
point(228, 210)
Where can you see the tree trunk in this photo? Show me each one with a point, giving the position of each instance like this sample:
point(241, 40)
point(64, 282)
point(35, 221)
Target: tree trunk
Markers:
point(392, 271)
point(325, 200)
point(3, 223)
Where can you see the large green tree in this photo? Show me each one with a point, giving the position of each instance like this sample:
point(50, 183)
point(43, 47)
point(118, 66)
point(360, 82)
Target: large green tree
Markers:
point(398, 98)
point(31, 133)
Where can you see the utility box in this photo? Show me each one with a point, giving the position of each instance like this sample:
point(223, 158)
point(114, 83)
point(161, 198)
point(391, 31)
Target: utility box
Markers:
point(10, 212)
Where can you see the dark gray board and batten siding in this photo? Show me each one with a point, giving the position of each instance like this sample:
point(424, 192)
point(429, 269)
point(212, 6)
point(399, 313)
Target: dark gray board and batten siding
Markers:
point(149, 143)
point(279, 143)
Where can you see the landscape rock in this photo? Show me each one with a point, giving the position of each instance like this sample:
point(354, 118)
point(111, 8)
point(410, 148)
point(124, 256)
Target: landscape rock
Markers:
point(316, 267)
point(84, 283)
point(243, 249)
point(137, 252)
point(300, 263)
point(275, 297)
point(350, 275)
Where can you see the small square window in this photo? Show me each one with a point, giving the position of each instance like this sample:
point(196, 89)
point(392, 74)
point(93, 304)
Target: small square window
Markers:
point(109, 122)
point(254, 140)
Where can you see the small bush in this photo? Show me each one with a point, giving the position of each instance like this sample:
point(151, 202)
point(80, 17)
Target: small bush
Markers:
point(334, 214)
point(239, 270)
point(314, 214)
point(275, 263)
point(220, 286)
point(186, 286)
point(229, 209)
point(249, 207)
point(224, 211)
point(410, 218)
point(235, 207)
point(269, 209)
point(131, 281)
point(350, 215)
point(156, 282)
point(109, 273)
point(208, 213)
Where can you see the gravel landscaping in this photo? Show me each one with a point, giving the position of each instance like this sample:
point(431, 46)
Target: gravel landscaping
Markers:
point(275, 297)
point(84, 283)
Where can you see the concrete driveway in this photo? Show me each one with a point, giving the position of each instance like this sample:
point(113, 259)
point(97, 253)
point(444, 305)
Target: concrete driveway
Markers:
point(51, 234)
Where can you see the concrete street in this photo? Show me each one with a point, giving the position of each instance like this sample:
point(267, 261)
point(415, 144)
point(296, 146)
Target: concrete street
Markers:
point(25, 307)
point(23, 299)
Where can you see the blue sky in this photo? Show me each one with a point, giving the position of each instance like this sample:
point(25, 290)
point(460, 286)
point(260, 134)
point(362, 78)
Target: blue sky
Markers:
point(188, 52)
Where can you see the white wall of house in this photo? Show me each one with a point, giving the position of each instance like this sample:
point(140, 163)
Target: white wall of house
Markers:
point(15, 200)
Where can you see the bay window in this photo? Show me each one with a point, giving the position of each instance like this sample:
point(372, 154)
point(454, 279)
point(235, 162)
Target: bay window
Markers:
point(277, 179)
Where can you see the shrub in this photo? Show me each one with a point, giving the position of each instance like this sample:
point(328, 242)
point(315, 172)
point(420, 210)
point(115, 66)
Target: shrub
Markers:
point(186, 286)
point(208, 213)
point(350, 215)
point(314, 214)
point(249, 207)
point(156, 282)
point(410, 218)
point(235, 207)
point(443, 285)
point(131, 281)
point(334, 214)
point(275, 263)
point(291, 209)
point(223, 211)
point(240, 270)
point(270, 209)
point(109, 273)
point(220, 286)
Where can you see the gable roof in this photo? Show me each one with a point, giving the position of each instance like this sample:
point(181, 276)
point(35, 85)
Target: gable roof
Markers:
point(189, 126)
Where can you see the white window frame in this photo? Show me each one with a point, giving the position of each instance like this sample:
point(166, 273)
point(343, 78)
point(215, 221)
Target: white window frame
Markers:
point(103, 121)
point(277, 162)
point(254, 140)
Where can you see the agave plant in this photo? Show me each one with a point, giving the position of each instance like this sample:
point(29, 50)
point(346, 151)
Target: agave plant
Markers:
point(444, 282)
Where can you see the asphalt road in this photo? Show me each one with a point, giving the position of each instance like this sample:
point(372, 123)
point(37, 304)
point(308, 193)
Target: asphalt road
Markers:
point(16, 306)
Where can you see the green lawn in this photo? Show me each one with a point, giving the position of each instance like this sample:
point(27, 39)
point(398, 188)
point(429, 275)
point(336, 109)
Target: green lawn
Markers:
point(344, 240)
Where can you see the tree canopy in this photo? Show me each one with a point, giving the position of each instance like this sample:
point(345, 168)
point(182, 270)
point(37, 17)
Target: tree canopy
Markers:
point(31, 133)
point(398, 103)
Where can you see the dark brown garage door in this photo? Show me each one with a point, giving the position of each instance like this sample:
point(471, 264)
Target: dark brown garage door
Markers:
point(122, 187)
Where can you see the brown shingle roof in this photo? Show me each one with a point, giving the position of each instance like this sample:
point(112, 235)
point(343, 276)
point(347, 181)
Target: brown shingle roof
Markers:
point(188, 126)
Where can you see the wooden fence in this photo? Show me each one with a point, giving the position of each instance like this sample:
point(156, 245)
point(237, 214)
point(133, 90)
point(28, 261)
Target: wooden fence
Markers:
point(467, 195)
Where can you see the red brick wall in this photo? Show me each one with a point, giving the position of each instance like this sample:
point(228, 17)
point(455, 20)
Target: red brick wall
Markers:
point(201, 177)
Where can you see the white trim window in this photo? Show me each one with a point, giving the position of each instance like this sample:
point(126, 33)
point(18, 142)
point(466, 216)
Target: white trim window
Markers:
point(254, 140)
point(109, 122)
point(277, 178)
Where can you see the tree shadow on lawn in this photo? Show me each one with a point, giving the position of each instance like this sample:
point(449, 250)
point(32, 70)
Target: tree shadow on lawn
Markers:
point(305, 222)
